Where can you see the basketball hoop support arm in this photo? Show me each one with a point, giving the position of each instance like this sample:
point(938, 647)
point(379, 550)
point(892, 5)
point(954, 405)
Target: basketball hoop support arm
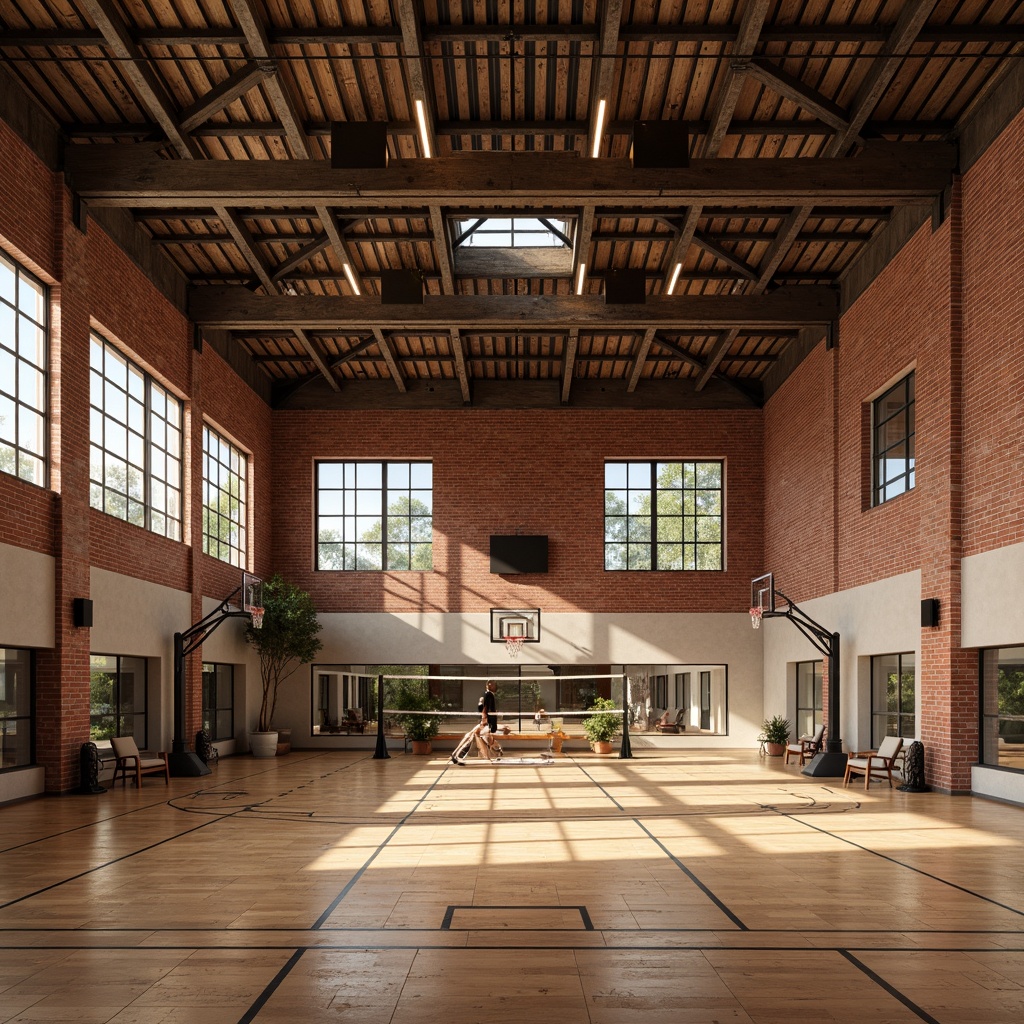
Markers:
point(831, 762)
point(184, 762)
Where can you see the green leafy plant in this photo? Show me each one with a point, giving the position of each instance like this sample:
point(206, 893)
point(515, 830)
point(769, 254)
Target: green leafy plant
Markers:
point(412, 695)
point(601, 727)
point(289, 638)
point(775, 730)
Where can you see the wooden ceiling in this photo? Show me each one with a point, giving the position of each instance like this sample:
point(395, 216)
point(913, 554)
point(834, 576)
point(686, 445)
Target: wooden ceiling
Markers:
point(808, 126)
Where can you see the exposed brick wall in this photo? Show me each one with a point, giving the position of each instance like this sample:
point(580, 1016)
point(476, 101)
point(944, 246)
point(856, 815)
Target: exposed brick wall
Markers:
point(538, 471)
point(993, 375)
point(799, 480)
point(27, 222)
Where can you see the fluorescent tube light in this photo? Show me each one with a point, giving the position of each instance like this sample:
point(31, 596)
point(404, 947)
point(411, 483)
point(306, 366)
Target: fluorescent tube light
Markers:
point(421, 117)
point(351, 277)
point(580, 278)
point(675, 277)
point(598, 129)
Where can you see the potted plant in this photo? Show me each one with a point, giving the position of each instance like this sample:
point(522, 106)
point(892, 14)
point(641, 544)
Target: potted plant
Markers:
point(775, 735)
point(411, 695)
point(287, 640)
point(602, 726)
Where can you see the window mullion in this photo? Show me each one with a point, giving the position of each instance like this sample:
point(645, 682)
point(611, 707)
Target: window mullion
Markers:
point(654, 515)
point(384, 516)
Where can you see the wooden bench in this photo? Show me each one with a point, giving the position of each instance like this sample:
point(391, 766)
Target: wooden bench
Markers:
point(555, 739)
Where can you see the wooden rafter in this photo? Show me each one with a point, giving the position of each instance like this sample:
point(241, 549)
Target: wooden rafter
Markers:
point(884, 174)
point(240, 309)
point(389, 357)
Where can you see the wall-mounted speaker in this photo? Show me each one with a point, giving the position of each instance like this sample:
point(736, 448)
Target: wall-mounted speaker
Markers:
point(359, 144)
point(626, 286)
point(930, 612)
point(81, 610)
point(401, 286)
point(663, 144)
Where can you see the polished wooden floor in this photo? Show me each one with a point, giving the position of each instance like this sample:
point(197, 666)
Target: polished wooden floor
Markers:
point(673, 887)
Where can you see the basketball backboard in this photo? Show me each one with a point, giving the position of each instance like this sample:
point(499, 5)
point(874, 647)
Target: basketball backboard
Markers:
point(762, 592)
point(252, 592)
point(515, 622)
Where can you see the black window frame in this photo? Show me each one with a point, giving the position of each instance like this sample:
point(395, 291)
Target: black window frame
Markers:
point(120, 716)
point(212, 711)
point(24, 710)
point(349, 553)
point(893, 715)
point(815, 712)
point(632, 540)
point(29, 374)
point(234, 523)
point(894, 410)
point(142, 420)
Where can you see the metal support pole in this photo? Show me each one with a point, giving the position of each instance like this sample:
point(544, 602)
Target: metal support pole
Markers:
point(625, 750)
point(381, 751)
point(183, 763)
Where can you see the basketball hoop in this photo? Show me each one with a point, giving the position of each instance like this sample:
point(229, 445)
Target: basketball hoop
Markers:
point(514, 644)
point(756, 611)
point(257, 617)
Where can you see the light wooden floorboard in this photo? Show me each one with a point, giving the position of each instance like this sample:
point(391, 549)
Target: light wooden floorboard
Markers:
point(670, 887)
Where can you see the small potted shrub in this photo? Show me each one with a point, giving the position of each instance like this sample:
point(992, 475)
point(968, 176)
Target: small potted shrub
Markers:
point(420, 729)
point(775, 735)
point(602, 726)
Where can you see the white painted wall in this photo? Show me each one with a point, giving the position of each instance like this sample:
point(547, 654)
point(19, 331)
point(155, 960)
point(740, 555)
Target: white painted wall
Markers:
point(566, 639)
point(878, 618)
point(992, 589)
point(26, 598)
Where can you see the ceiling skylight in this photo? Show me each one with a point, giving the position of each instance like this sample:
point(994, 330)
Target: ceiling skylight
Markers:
point(512, 233)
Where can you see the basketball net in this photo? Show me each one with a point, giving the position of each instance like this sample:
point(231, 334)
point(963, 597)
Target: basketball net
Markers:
point(756, 611)
point(514, 644)
point(257, 618)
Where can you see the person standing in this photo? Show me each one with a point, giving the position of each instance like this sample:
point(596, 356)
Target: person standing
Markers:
point(489, 718)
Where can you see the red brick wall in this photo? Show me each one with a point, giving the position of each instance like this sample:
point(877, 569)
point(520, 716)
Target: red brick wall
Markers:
point(27, 216)
point(799, 480)
point(553, 486)
point(993, 377)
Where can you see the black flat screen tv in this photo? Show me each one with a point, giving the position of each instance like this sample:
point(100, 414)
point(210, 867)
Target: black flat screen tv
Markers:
point(515, 553)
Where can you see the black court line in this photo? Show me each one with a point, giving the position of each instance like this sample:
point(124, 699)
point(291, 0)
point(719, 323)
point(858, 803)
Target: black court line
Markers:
point(107, 864)
point(261, 999)
point(904, 864)
point(646, 947)
point(894, 992)
point(671, 856)
point(446, 924)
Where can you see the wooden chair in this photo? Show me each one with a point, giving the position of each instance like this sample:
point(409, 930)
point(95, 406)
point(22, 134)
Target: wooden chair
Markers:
point(806, 747)
point(874, 763)
point(354, 721)
point(128, 756)
point(671, 720)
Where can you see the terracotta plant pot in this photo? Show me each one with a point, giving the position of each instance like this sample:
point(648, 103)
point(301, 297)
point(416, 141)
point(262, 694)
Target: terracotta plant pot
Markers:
point(263, 744)
point(602, 746)
point(775, 749)
point(421, 746)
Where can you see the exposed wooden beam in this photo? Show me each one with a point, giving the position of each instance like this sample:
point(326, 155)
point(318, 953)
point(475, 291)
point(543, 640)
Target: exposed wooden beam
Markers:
point(389, 357)
point(729, 259)
point(754, 13)
point(238, 84)
point(296, 260)
point(602, 69)
point(416, 70)
point(259, 46)
point(569, 363)
point(776, 252)
point(373, 35)
point(240, 309)
point(461, 371)
point(913, 15)
point(148, 88)
point(317, 356)
point(639, 359)
point(887, 174)
point(785, 84)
